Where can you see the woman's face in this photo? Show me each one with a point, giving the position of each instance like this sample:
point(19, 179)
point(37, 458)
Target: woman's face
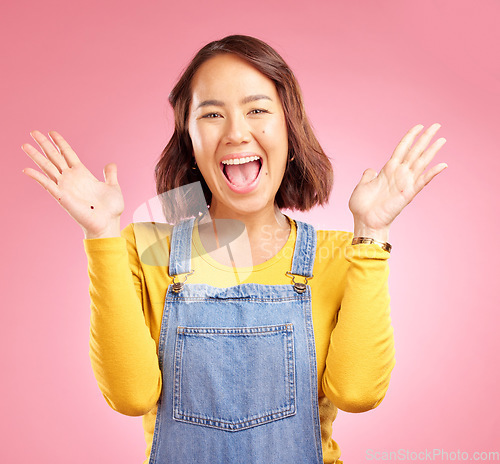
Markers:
point(238, 131)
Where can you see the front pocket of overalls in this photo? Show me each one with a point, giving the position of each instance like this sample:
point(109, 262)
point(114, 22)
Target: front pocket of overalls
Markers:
point(234, 378)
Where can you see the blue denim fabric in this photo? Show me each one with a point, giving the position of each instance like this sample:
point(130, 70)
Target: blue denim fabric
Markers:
point(239, 368)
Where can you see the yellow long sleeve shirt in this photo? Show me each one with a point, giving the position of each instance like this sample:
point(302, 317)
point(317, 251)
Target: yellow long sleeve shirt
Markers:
point(350, 311)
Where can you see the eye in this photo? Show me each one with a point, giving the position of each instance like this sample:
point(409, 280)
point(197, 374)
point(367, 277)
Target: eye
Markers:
point(211, 115)
point(258, 111)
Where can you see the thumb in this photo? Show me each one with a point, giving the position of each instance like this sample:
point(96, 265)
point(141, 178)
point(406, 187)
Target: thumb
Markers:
point(110, 174)
point(368, 176)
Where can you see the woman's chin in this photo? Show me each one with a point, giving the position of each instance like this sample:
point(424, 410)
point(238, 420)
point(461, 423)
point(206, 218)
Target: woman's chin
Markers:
point(242, 205)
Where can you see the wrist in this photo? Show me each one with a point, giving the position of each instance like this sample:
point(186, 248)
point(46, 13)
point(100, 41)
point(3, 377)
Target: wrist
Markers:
point(113, 230)
point(361, 230)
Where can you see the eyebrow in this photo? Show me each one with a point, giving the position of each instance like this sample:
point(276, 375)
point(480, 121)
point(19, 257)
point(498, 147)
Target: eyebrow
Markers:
point(246, 100)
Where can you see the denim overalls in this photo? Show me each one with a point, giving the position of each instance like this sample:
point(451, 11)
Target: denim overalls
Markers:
point(238, 366)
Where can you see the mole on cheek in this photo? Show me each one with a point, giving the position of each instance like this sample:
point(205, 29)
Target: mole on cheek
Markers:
point(263, 131)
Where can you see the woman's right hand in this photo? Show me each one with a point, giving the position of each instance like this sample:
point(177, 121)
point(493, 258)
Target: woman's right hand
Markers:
point(96, 206)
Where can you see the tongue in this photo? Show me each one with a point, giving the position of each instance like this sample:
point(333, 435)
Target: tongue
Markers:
point(242, 175)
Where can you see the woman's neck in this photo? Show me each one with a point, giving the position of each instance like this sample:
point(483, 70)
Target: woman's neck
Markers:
point(252, 239)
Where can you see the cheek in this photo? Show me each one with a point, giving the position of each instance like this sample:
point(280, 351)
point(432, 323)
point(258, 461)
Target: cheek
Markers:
point(203, 138)
point(275, 137)
point(194, 135)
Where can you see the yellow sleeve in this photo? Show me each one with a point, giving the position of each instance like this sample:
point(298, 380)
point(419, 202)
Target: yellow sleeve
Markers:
point(122, 352)
point(361, 351)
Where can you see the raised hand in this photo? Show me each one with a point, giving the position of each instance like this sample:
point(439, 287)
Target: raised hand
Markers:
point(96, 206)
point(379, 198)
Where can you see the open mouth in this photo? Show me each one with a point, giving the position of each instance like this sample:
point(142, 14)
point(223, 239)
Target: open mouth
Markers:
point(242, 173)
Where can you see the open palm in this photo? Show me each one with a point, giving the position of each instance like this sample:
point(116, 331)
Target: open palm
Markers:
point(95, 205)
point(379, 198)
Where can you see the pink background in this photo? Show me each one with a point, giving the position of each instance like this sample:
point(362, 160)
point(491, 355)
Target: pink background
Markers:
point(99, 72)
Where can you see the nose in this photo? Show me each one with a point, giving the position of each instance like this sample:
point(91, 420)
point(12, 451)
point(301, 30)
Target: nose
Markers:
point(236, 131)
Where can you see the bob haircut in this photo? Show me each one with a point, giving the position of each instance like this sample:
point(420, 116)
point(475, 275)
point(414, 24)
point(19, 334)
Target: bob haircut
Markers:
point(308, 177)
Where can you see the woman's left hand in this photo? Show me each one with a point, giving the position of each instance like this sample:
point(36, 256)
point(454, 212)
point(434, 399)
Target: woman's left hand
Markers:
point(379, 198)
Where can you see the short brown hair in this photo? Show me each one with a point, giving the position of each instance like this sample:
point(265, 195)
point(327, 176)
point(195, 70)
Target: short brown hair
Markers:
point(308, 177)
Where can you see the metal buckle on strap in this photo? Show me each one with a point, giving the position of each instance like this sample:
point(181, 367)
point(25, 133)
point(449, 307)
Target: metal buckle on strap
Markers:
point(299, 287)
point(178, 286)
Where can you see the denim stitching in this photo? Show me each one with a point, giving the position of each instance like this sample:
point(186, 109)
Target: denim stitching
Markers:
point(233, 427)
point(288, 328)
point(176, 297)
point(284, 410)
point(309, 263)
point(180, 258)
point(161, 350)
point(311, 345)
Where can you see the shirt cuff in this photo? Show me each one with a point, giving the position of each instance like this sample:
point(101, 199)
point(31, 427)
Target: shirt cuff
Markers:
point(96, 245)
point(365, 251)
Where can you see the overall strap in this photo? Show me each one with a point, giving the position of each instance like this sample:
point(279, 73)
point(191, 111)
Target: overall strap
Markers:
point(180, 248)
point(305, 250)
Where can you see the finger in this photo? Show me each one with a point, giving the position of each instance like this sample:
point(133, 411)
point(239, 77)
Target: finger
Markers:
point(421, 163)
point(421, 144)
point(42, 162)
point(65, 149)
point(368, 176)
point(44, 181)
point(51, 152)
point(405, 144)
point(110, 174)
point(429, 175)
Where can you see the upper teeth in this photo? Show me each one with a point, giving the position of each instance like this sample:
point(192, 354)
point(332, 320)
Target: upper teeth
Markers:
point(241, 160)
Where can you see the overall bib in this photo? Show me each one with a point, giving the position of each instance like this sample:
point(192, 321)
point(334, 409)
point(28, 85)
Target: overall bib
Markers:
point(238, 366)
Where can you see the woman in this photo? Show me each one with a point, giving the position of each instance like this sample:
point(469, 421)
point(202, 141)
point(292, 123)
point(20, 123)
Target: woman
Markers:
point(229, 345)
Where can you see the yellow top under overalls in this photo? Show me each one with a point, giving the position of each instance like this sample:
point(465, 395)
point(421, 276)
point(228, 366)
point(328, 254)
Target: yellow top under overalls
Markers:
point(350, 309)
